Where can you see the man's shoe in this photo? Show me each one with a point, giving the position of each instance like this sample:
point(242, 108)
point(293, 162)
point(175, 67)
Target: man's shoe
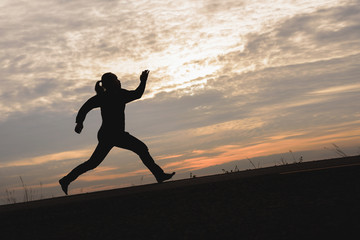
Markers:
point(164, 177)
point(64, 185)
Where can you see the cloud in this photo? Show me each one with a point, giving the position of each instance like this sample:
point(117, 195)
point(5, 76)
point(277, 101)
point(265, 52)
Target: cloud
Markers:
point(61, 156)
point(277, 144)
point(253, 108)
point(326, 26)
point(52, 42)
point(343, 89)
point(327, 33)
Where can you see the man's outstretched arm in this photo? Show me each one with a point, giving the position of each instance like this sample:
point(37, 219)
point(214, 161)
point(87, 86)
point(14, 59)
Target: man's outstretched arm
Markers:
point(88, 105)
point(139, 91)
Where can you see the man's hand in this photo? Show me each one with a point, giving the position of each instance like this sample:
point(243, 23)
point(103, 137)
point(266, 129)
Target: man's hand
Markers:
point(144, 75)
point(79, 127)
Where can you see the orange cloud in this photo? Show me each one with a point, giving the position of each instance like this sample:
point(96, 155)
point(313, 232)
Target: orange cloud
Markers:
point(169, 156)
point(276, 144)
point(75, 154)
point(104, 169)
point(95, 177)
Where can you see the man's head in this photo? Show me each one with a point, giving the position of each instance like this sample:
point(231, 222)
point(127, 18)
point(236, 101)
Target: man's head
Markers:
point(110, 81)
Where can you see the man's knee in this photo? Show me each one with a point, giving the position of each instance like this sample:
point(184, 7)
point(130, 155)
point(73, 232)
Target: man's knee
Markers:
point(90, 165)
point(141, 149)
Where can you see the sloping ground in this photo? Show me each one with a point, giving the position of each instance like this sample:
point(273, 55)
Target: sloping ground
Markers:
point(311, 200)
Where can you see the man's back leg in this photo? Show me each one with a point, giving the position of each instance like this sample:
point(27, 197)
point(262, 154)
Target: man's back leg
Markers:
point(132, 143)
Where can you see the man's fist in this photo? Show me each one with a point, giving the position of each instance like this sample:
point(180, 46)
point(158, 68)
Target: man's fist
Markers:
point(144, 75)
point(79, 127)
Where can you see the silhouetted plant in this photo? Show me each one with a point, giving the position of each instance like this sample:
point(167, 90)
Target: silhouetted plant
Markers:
point(236, 169)
point(337, 150)
point(41, 193)
point(252, 163)
point(283, 160)
point(293, 157)
point(28, 192)
point(10, 196)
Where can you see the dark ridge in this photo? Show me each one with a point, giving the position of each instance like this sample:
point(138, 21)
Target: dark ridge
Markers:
point(310, 200)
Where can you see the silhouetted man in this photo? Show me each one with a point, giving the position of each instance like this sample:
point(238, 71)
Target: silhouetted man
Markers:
point(111, 99)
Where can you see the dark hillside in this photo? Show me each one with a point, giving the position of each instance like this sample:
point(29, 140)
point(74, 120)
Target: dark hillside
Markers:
point(311, 200)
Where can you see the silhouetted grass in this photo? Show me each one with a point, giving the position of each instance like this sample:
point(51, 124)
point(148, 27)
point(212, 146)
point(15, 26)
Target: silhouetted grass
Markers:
point(252, 163)
point(337, 150)
point(10, 196)
point(29, 194)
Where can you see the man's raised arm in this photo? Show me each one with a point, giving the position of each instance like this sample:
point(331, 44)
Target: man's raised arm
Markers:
point(139, 91)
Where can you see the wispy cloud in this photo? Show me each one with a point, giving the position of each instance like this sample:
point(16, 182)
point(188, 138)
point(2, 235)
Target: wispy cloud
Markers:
point(61, 156)
point(98, 177)
point(52, 43)
point(341, 89)
point(273, 145)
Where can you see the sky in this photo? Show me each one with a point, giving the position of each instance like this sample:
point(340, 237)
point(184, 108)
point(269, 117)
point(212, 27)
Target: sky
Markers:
point(232, 83)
